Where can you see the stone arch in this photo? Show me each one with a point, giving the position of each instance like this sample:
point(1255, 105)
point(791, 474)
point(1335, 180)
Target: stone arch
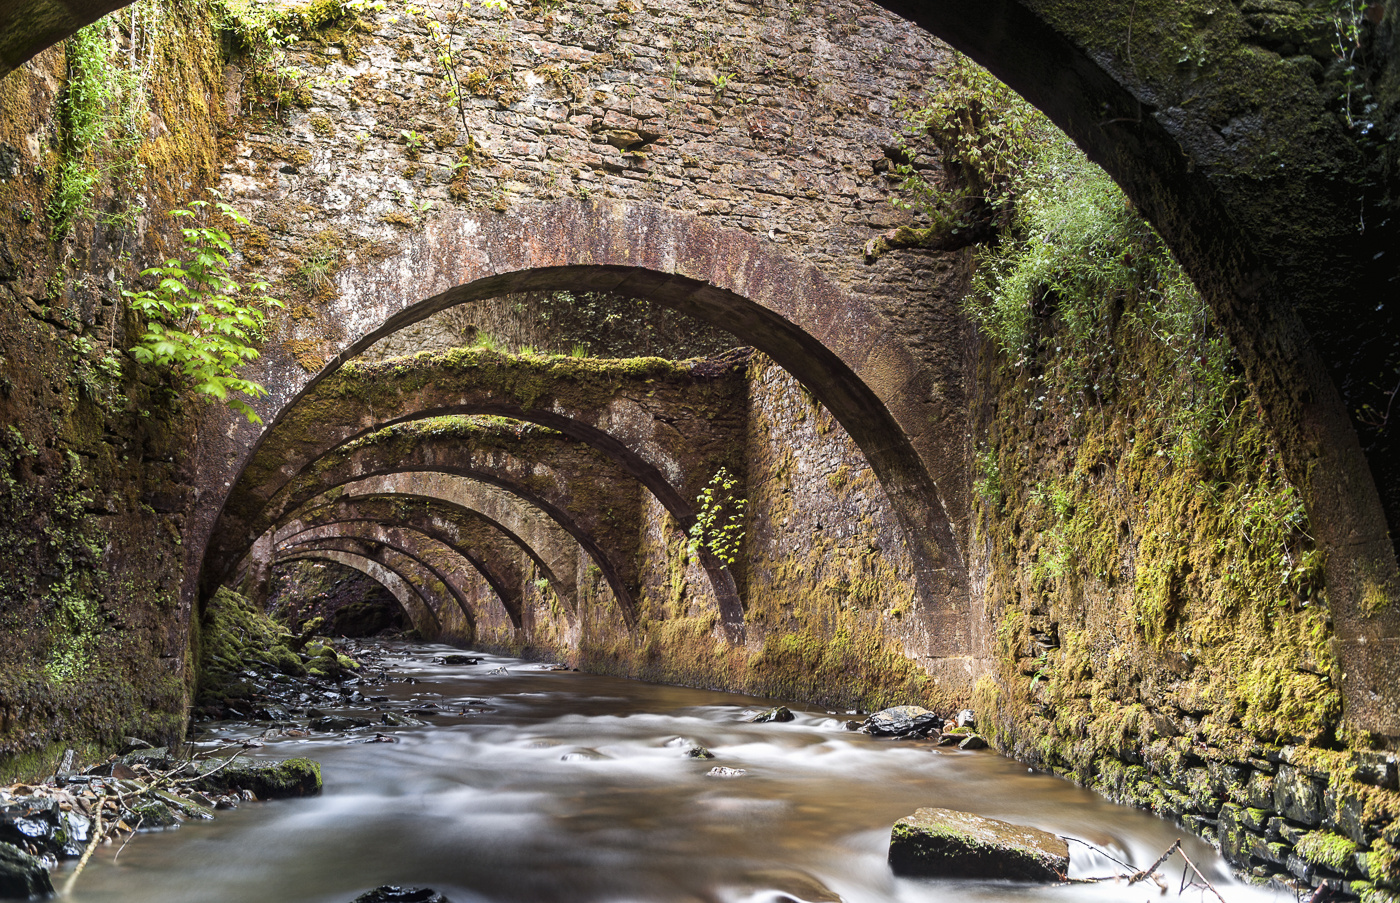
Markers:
point(671, 445)
point(419, 612)
point(832, 340)
point(667, 426)
point(553, 550)
point(573, 483)
point(497, 554)
point(436, 563)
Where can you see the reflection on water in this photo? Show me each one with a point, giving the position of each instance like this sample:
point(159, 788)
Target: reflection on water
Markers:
point(555, 786)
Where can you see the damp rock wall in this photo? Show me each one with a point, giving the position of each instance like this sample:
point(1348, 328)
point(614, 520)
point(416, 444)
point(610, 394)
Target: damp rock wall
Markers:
point(96, 473)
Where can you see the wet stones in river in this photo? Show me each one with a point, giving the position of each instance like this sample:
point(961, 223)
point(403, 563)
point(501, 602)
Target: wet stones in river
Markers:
point(902, 721)
point(22, 877)
point(267, 780)
point(583, 754)
point(719, 771)
point(392, 893)
point(457, 660)
point(943, 843)
point(40, 825)
point(780, 713)
point(338, 723)
point(699, 752)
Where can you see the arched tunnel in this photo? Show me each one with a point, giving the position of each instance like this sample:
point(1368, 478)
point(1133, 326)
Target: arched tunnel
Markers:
point(600, 343)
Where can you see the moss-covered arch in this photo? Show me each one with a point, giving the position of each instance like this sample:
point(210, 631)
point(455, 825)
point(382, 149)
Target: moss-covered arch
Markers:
point(419, 612)
point(554, 551)
point(586, 492)
point(436, 570)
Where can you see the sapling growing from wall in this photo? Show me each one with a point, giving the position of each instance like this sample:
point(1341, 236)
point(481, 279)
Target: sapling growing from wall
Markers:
point(719, 519)
point(197, 323)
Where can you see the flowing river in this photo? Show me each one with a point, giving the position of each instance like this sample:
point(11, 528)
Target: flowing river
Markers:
point(542, 786)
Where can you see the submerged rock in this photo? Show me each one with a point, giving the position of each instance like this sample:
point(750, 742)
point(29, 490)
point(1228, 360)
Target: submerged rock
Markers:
point(902, 721)
point(719, 771)
point(780, 713)
point(267, 780)
point(22, 877)
point(457, 660)
point(788, 886)
point(942, 843)
point(392, 893)
point(699, 752)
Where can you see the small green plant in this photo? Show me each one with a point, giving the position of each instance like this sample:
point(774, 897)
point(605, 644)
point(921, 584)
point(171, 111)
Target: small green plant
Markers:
point(196, 323)
point(719, 519)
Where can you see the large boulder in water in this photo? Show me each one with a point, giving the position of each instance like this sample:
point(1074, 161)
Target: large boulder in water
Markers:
point(266, 780)
point(942, 843)
point(392, 893)
point(902, 721)
point(22, 877)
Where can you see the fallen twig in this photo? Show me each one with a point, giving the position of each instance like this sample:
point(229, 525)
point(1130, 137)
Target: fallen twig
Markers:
point(93, 841)
point(1149, 872)
point(1210, 887)
point(135, 828)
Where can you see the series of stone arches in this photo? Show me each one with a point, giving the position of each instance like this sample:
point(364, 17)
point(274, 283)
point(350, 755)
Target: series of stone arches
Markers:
point(1271, 229)
point(580, 444)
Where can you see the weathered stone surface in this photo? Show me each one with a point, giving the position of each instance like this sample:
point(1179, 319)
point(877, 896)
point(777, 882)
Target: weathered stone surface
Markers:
point(22, 877)
point(943, 843)
point(268, 780)
point(393, 893)
point(1298, 796)
point(901, 721)
point(779, 713)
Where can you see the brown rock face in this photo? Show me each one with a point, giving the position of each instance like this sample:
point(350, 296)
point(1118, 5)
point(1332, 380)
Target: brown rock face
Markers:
point(942, 843)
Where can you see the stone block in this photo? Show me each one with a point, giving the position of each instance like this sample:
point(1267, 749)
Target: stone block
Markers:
point(1298, 796)
point(945, 843)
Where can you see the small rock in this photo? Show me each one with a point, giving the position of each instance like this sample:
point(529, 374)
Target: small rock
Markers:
point(457, 660)
point(392, 893)
point(780, 713)
point(942, 843)
point(973, 742)
point(719, 771)
point(902, 721)
point(334, 723)
point(699, 752)
point(967, 719)
point(22, 876)
point(583, 754)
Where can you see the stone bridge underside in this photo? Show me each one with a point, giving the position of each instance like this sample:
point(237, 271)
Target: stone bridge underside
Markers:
point(1221, 122)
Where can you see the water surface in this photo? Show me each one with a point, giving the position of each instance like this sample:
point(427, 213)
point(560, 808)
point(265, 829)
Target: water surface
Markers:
point(532, 786)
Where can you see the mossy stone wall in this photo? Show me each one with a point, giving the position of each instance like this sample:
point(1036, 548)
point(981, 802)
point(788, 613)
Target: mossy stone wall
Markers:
point(94, 451)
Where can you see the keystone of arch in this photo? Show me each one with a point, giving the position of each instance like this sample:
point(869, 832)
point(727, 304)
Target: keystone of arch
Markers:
point(417, 609)
point(436, 570)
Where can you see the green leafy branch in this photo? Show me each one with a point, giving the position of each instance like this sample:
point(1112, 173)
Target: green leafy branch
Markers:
point(197, 326)
point(719, 520)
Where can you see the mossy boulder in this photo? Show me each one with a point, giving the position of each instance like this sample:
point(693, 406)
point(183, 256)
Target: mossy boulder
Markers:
point(267, 780)
point(943, 843)
point(22, 877)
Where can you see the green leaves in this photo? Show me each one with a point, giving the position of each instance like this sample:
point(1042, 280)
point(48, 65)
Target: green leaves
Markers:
point(198, 323)
point(719, 520)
